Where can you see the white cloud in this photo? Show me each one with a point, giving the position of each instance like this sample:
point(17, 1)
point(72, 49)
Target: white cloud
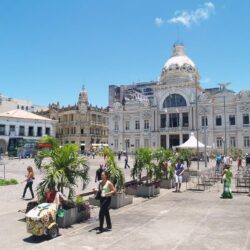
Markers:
point(159, 21)
point(187, 18)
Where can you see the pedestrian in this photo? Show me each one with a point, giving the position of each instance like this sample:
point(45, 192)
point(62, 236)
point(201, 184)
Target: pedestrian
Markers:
point(98, 175)
point(179, 170)
point(29, 182)
point(239, 163)
point(119, 156)
point(126, 161)
point(218, 162)
point(226, 177)
point(107, 189)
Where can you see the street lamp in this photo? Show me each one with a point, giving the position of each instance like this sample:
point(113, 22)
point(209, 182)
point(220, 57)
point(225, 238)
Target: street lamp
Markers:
point(204, 112)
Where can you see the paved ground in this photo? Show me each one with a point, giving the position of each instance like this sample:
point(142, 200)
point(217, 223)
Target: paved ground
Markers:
point(189, 220)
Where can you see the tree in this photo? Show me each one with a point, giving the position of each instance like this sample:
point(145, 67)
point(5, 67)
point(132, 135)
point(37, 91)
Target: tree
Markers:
point(235, 152)
point(63, 169)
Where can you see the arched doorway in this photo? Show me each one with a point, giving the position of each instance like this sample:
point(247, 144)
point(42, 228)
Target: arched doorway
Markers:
point(3, 146)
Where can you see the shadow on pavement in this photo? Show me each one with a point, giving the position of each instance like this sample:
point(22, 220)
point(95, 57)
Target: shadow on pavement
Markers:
point(37, 239)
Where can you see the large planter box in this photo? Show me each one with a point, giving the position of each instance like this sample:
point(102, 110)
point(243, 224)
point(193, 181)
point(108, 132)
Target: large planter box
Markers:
point(117, 201)
point(147, 190)
point(131, 190)
point(72, 216)
point(167, 184)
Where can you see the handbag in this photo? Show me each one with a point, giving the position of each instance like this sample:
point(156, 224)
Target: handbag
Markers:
point(98, 194)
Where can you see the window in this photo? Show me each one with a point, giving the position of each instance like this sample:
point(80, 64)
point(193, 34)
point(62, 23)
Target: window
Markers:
point(246, 141)
point(82, 131)
point(12, 130)
point(174, 100)
point(163, 121)
point(137, 143)
point(116, 143)
point(204, 121)
point(39, 131)
point(127, 144)
point(218, 120)
point(21, 131)
point(116, 126)
point(185, 122)
point(174, 120)
point(146, 143)
point(47, 131)
point(127, 125)
point(231, 120)
point(31, 131)
point(232, 142)
point(146, 124)
point(2, 129)
point(27, 108)
point(219, 142)
point(245, 119)
point(137, 124)
point(185, 137)
point(72, 117)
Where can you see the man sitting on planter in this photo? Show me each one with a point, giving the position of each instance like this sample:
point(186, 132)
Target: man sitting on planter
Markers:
point(179, 170)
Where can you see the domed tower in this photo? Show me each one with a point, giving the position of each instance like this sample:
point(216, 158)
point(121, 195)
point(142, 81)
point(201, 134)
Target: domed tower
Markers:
point(83, 100)
point(178, 68)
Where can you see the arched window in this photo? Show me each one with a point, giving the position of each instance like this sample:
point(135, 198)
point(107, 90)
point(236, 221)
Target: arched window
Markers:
point(174, 100)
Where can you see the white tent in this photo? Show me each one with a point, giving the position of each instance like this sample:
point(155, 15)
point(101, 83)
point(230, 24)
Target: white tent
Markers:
point(192, 143)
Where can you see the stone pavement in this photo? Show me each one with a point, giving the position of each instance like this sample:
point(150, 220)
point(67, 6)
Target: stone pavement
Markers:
point(187, 220)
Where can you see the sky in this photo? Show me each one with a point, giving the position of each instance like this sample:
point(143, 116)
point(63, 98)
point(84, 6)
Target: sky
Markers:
point(49, 49)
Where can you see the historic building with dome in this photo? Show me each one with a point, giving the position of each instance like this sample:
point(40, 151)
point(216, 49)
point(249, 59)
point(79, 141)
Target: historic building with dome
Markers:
point(163, 113)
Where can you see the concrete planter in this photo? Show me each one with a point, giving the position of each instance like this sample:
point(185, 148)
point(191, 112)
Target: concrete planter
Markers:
point(147, 190)
point(167, 184)
point(131, 190)
point(73, 215)
point(117, 201)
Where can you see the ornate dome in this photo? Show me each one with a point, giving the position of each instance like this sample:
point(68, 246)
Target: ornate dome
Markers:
point(178, 68)
point(179, 58)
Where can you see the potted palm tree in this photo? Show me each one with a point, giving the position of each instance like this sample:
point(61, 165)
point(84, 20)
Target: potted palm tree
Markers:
point(63, 168)
point(116, 176)
point(144, 161)
point(163, 169)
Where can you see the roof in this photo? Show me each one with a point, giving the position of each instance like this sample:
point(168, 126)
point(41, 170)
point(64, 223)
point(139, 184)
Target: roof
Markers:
point(22, 114)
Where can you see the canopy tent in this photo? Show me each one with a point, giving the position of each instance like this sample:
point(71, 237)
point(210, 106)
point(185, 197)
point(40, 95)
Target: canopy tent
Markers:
point(192, 143)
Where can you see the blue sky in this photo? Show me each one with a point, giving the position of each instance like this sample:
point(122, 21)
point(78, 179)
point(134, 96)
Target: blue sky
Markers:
point(49, 49)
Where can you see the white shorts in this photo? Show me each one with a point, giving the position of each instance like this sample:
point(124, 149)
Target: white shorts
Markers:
point(178, 179)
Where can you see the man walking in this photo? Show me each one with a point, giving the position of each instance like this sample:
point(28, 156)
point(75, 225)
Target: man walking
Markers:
point(126, 161)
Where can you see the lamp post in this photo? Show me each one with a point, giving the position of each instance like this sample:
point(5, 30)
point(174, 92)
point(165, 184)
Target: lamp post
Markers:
point(204, 112)
point(197, 129)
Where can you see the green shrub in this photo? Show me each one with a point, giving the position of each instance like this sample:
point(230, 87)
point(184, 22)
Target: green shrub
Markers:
point(8, 182)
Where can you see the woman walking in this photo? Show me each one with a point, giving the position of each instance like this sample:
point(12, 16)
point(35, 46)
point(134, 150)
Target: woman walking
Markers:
point(227, 176)
point(29, 182)
point(107, 189)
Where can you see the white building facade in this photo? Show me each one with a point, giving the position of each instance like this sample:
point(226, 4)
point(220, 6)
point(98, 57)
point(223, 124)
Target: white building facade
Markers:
point(20, 123)
point(9, 103)
point(168, 114)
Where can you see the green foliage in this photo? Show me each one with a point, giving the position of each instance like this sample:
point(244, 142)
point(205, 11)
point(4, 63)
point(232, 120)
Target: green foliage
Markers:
point(115, 173)
point(63, 169)
point(79, 200)
point(235, 152)
point(161, 155)
point(185, 154)
point(8, 182)
point(46, 139)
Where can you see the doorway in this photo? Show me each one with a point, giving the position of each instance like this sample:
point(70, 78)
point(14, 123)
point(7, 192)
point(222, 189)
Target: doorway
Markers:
point(174, 140)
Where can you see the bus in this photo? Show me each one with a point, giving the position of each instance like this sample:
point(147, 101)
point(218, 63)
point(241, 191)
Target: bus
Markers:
point(21, 147)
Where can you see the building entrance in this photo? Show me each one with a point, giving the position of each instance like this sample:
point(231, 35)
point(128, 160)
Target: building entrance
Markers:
point(163, 141)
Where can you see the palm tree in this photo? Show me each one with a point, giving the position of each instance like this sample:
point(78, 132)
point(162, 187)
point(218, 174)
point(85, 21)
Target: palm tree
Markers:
point(115, 173)
point(64, 168)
